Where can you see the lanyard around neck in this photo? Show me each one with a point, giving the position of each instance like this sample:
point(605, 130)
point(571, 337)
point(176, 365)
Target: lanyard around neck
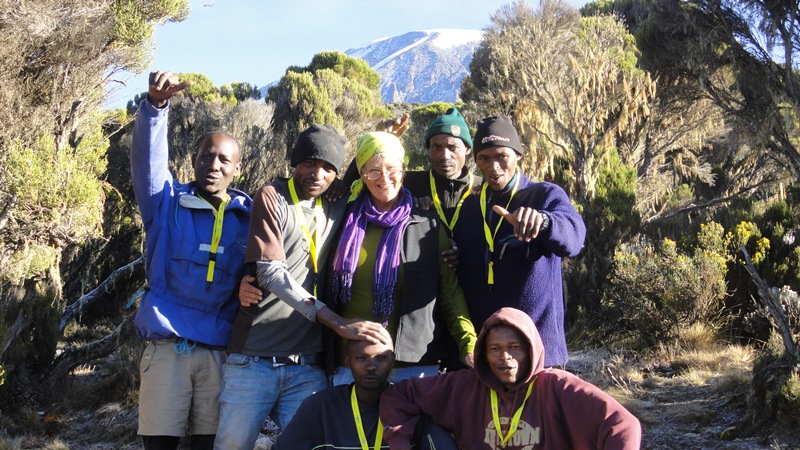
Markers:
point(512, 428)
point(438, 203)
point(216, 235)
point(301, 219)
point(486, 231)
point(360, 426)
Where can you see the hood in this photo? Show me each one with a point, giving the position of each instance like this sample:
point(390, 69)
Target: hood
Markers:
point(521, 321)
point(519, 178)
point(240, 201)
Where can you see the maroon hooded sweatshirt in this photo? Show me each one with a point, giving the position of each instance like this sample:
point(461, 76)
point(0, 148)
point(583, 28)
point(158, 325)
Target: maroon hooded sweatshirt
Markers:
point(563, 411)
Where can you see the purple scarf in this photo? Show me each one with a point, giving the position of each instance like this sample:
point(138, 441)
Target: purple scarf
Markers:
point(387, 258)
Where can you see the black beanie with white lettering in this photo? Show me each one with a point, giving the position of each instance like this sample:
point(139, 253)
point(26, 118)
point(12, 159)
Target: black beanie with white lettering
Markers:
point(496, 131)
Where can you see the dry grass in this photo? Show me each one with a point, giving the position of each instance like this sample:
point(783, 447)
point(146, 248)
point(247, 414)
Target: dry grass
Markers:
point(688, 393)
point(10, 443)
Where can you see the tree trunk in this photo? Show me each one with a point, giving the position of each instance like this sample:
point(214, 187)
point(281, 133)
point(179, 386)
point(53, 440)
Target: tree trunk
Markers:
point(771, 299)
point(77, 307)
point(74, 357)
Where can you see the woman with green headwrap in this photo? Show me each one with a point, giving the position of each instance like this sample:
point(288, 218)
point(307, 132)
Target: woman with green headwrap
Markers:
point(387, 267)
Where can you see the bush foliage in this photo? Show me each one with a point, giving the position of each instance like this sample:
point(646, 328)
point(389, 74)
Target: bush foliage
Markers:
point(654, 291)
point(671, 172)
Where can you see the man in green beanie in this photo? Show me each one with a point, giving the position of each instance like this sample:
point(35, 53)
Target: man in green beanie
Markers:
point(445, 186)
point(449, 181)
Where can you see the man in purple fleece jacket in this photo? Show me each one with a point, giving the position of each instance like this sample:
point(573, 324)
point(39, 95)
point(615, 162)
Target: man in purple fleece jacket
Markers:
point(514, 258)
point(509, 400)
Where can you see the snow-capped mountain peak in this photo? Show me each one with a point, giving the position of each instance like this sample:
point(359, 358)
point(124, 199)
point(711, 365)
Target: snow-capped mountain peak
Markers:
point(421, 66)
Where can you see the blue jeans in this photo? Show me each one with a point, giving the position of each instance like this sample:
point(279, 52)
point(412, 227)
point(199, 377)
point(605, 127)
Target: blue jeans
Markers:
point(253, 389)
point(344, 376)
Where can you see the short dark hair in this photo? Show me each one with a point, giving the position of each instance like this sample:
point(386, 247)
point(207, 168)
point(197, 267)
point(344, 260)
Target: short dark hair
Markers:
point(353, 342)
point(205, 136)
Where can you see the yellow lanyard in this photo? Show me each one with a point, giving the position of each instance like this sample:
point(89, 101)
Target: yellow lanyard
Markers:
point(438, 203)
point(301, 219)
point(219, 216)
point(512, 428)
point(486, 231)
point(360, 427)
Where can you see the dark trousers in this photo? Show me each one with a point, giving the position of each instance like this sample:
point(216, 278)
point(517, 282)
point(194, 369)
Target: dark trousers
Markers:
point(433, 437)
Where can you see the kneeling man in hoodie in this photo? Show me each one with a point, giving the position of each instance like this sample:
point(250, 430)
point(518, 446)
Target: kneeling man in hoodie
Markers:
point(510, 400)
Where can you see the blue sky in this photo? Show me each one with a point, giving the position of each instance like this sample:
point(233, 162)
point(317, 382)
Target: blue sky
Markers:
point(255, 41)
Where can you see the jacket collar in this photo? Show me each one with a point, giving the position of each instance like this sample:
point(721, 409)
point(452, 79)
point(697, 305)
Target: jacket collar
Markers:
point(239, 201)
point(463, 178)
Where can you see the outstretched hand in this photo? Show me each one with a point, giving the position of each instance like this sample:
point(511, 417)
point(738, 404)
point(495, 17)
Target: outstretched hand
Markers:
point(396, 126)
point(527, 222)
point(163, 86)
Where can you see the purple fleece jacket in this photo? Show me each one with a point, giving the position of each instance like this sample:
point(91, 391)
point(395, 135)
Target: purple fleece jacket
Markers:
point(527, 276)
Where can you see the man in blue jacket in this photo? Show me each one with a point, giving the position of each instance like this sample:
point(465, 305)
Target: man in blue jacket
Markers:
point(196, 236)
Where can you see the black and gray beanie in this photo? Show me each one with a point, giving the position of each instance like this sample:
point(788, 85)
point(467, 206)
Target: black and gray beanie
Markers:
point(320, 142)
point(452, 123)
point(496, 131)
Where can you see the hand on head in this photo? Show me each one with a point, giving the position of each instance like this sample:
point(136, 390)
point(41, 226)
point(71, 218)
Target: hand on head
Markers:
point(365, 330)
point(163, 86)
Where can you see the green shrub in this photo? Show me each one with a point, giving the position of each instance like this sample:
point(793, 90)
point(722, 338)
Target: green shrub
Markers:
point(769, 238)
point(611, 218)
point(59, 199)
point(776, 391)
point(654, 292)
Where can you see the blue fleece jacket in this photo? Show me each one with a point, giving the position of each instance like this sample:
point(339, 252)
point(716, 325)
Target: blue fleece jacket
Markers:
point(179, 303)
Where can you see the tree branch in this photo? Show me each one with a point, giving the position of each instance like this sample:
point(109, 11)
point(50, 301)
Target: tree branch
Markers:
point(707, 204)
point(77, 307)
point(20, 324)
point(771, 299)
point(75, 356)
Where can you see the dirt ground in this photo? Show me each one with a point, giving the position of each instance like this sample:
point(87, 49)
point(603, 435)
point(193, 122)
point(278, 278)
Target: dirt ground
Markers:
point(679, 408)
point(688, 417)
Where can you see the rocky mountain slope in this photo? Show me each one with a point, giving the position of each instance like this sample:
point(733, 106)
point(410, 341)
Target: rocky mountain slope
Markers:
point(421, 66)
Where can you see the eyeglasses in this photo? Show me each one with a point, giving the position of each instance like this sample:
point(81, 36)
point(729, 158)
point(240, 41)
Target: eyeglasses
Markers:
point(375, 174)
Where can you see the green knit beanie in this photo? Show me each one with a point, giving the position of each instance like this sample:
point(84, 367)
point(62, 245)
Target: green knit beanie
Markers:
point(452, 123)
